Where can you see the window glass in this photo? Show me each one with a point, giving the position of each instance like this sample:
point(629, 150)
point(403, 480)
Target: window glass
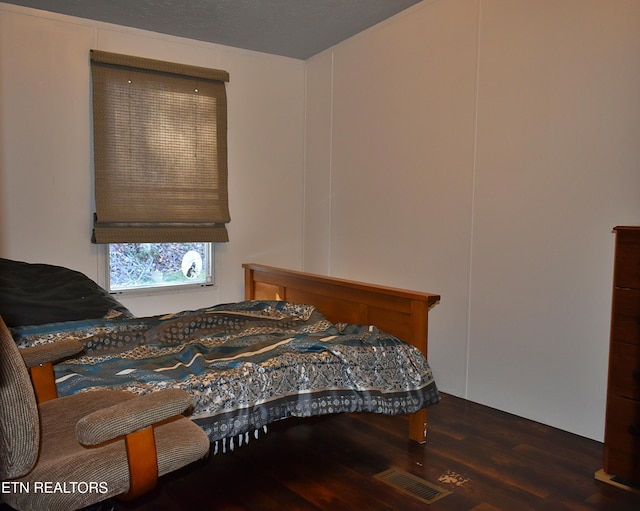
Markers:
point(158, 265)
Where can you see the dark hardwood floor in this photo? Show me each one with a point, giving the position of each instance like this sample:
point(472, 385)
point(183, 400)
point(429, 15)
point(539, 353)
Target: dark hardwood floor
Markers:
point(488, 459)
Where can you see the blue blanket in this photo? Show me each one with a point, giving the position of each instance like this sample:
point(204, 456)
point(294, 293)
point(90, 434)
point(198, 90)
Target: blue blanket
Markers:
point(245, 364)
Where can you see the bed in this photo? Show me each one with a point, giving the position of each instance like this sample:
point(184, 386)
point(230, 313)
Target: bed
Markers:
point(299, 345)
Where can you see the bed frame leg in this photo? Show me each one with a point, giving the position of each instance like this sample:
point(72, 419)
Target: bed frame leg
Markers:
point(418, 426)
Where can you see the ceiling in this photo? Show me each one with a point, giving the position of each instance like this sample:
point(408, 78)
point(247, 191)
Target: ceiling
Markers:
point(292, 28)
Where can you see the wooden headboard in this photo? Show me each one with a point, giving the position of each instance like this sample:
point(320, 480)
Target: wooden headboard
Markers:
point(399, 312)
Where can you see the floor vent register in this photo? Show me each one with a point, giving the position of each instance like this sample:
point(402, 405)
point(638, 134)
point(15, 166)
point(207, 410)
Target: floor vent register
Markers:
point(412, 485)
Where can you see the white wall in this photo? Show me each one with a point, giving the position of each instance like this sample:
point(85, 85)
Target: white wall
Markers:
point(483, 150)
point(480, 149)
point(46, 161)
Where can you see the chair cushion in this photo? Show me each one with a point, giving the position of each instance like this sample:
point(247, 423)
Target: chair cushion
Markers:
point(19, 426)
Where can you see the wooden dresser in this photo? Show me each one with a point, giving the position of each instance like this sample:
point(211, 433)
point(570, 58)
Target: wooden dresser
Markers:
point(622, 428)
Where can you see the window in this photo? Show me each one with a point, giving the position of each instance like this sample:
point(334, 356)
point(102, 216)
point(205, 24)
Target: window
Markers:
point(143, 266)
point(160, 159)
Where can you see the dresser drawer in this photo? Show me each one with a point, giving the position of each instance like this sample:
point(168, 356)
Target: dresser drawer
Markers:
point(622, 432)
point(625, 321)
point(627, 260)
point(624, 376)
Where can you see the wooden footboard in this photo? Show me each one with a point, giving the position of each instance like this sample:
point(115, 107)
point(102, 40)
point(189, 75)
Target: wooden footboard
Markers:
point(396, 311)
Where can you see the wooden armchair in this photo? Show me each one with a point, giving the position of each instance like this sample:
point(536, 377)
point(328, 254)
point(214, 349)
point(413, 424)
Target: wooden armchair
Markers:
point(70, 452)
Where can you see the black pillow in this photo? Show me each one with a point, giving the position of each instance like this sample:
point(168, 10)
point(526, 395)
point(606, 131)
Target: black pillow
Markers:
point(35, 294)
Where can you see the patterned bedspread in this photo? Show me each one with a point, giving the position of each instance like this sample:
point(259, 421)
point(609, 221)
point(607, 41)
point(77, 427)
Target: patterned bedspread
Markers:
point(245, 364)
